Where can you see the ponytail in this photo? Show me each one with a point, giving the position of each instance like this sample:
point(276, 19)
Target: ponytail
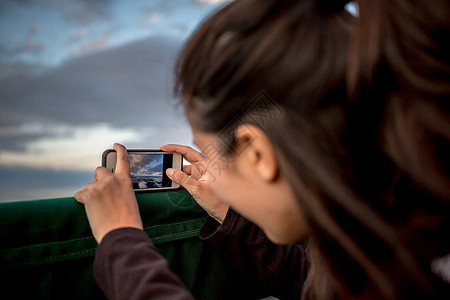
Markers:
point(400, 50)
point(330, 6)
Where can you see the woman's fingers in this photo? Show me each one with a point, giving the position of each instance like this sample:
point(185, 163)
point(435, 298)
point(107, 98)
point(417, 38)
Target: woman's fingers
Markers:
point(189, 183)
point(109, 200)
point(123, 160)
point(81, 195)
point(187, 169)
point(191, 155)
point(202, 193)
point(101, 172)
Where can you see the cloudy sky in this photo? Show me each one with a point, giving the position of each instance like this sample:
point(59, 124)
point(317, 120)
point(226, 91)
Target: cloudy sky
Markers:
point(146, 165)
point(77, 76)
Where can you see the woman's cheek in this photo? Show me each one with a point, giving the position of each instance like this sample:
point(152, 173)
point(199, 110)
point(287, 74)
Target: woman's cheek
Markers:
point(218, 172)
point(216, 184)
point(220, 186)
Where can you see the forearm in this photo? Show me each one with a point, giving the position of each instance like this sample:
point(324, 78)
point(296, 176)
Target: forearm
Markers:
point(128, 266)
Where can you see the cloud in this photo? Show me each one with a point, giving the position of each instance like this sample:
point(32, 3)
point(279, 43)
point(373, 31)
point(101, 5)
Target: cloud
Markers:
point(79, 33)
point(35, 30)
point(152, 18)
point(80, 148)
point(14, 137)
point(165, 7)
point(86, 11)
point(17, 48)
point(100, 42)
point(211, 1)
point(147, 165)
point(83, 41)
point(5, 5)
point(77, 11)
point(126, 87)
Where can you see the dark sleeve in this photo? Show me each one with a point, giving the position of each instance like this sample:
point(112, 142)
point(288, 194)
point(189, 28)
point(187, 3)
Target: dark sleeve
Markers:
point(276, 270)
point(128, 266)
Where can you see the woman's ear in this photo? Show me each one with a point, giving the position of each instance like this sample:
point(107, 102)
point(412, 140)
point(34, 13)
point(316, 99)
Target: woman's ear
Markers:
point(255, 151)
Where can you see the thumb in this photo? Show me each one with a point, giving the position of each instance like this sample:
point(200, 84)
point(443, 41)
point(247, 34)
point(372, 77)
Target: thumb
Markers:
point(190, 184)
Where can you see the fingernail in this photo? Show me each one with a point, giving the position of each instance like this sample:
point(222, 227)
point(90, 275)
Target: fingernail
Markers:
point(170, 171)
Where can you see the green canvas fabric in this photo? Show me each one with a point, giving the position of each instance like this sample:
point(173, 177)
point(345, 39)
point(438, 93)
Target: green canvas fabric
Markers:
point(47, 249)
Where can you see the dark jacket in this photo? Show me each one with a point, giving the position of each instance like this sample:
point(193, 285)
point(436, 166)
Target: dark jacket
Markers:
point(128, 266)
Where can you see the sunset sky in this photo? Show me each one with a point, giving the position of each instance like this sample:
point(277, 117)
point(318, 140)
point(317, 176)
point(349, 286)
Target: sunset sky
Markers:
point(77, 76)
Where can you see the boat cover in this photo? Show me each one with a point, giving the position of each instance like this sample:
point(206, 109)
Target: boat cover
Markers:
point(47, 248)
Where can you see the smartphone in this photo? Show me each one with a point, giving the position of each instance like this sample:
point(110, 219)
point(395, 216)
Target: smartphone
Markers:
point(147, 168)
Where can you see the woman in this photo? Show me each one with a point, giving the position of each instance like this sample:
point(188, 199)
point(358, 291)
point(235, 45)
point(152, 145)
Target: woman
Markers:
point(313, 124)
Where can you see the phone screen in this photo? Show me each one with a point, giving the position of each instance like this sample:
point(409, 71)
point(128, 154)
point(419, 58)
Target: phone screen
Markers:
point(149, 170)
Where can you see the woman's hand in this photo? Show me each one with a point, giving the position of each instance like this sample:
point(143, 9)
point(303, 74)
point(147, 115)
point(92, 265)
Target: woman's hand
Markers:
point(109, 200)
point(194, 179)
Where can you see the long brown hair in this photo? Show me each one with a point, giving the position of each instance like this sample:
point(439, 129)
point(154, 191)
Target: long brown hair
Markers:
point(364, 131)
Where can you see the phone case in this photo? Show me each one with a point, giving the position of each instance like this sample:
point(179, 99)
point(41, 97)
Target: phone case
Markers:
point(142, 190)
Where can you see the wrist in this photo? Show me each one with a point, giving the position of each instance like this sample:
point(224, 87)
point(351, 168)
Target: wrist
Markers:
point(220, 214)
point(99, 237)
